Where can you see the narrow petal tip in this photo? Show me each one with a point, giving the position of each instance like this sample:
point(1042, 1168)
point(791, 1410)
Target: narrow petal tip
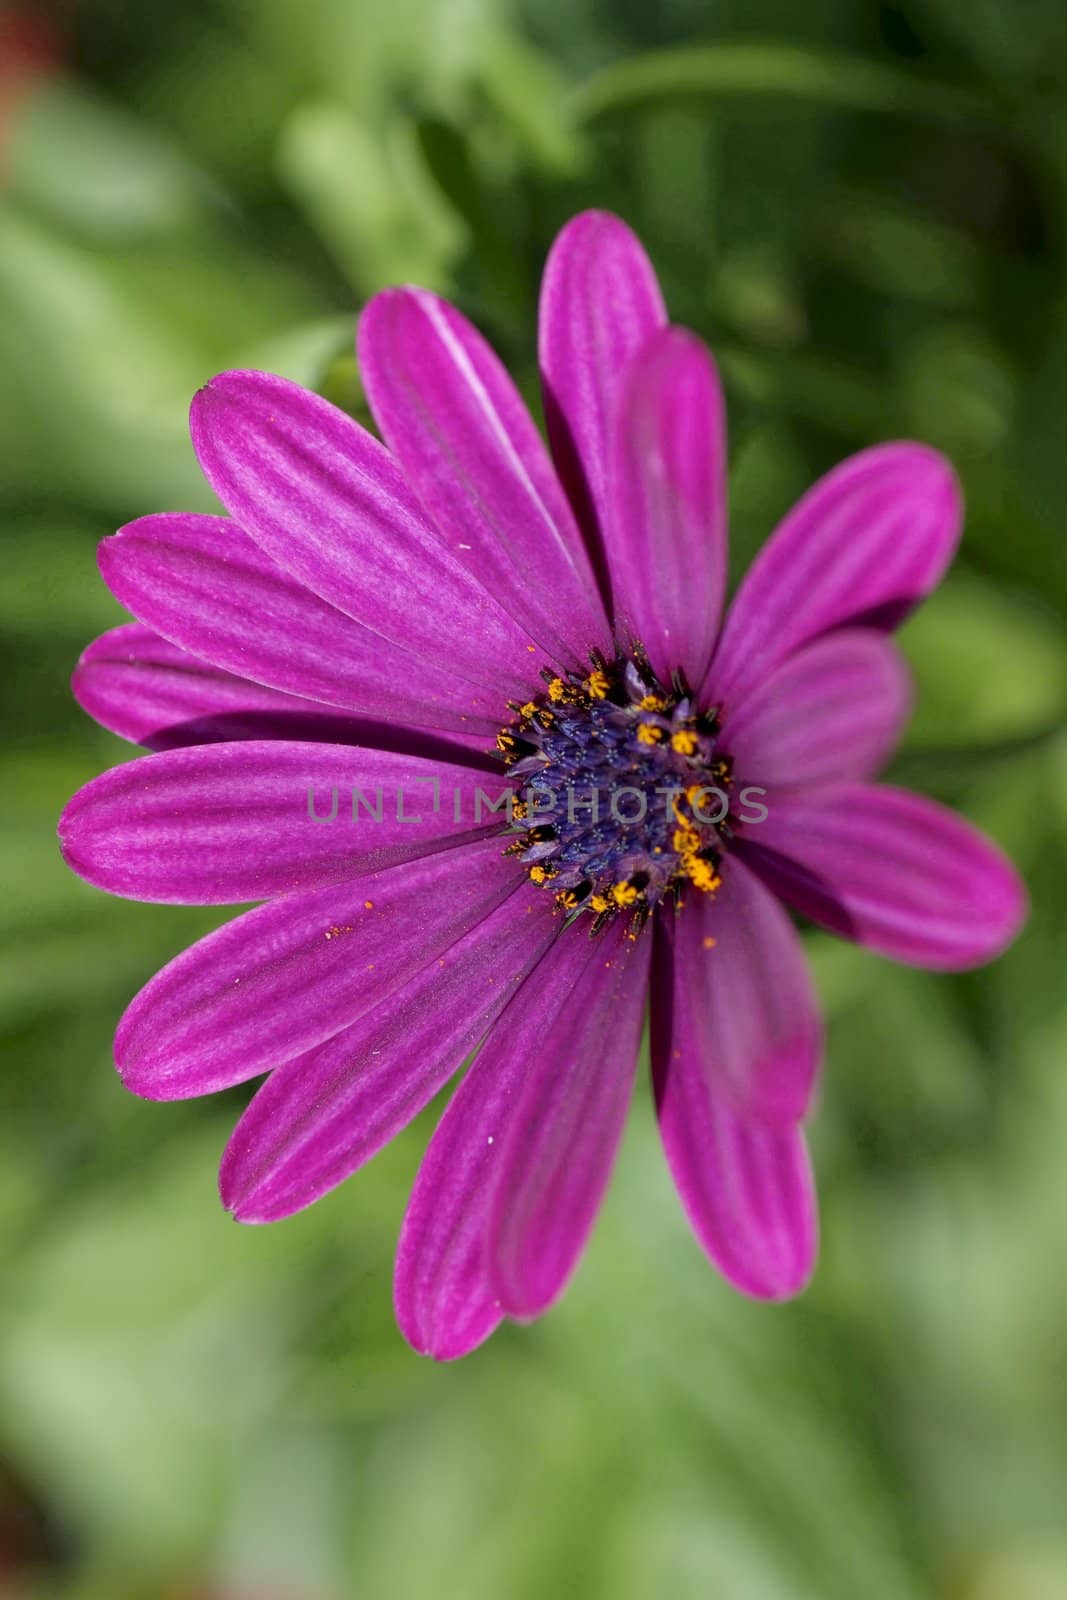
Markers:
point(1007, 908)
point(862, 548)
point(893, 871)
point(595, 230)
point(233, 382)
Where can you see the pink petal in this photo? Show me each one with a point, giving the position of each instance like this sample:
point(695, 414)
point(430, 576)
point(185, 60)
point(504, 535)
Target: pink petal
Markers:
point(666, 546)
point(278, 981)
point(749, 999)
point(832, 712)
point(137, 684)
point(891, 870)
point(331, 507)
point(862, 548)
point(746, 1185)
point(223, 824)
point(446, 1297)
point(205, 586)
point(319, 1118)
point(140, 686)
point(599, 303)
point(462, 434)
point(564, 1127)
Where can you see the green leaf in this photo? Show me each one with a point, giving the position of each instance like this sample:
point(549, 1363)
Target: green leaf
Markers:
point(370, 198)
point(531, 94)
point(106, 378)
point(741, 67)
point(94, 167)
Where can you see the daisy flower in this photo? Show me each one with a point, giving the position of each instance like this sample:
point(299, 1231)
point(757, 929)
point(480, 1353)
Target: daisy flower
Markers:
point(464, 713)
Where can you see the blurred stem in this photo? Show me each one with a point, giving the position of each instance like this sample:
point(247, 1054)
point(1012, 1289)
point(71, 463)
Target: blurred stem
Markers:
point(742, 67)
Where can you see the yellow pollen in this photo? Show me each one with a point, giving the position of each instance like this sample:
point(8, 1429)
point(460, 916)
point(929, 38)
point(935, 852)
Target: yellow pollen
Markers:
point(701, 874)
point(685, 742)
point(685, 841)
point(651, 702)
point(504, 742)
point(557, 689)
point(528, 711)
point(597, 685)
point(600, 902)
point(567, 899)
point(648, 733)
point(710, 943)
point(518, 809)
point(624, 894)
point(540, 874)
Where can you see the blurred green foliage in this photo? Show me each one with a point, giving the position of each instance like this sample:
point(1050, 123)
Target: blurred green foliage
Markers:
point(864, 207)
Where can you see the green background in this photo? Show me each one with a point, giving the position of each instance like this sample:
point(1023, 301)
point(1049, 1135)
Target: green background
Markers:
point(864, 208)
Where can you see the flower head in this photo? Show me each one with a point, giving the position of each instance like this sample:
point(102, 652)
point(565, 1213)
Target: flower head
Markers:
point(566, 784)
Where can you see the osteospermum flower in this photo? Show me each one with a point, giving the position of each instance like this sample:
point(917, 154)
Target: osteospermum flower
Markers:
point(457, 610)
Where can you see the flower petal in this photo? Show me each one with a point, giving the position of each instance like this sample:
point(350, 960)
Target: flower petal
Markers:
point(666, 544)
point(137, 684)
point(319, 1118)
point(279, 980)
point(862, 548)
point(749, 998)
point(143, 688)
point(203, 584)
point(746, 1185)
point(445, 1294)
point(599, 303)
point(330, 505)
point(563, 1131)
point(222, 824)
point(468, 445)
point(891, 870)
point(830, 713)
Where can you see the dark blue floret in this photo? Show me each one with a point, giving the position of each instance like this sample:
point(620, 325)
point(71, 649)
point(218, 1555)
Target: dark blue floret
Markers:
point(623, 793)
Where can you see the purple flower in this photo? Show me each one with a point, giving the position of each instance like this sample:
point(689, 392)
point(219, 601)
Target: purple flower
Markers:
point(456, 611)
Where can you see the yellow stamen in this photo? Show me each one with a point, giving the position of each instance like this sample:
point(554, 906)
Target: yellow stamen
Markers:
point(540, 874)
point(528, 711)
point(597, 685)
point(518, 810)
point(600, 902)
point(685, 742)
point(557, 689)
point(648, 733)
point(624, 894)
point(651, 702)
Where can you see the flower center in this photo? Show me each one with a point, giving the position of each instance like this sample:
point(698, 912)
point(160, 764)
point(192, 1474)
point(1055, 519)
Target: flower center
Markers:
point(623, 796)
